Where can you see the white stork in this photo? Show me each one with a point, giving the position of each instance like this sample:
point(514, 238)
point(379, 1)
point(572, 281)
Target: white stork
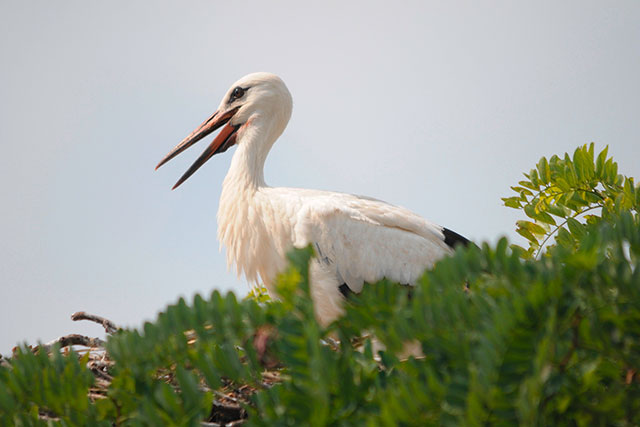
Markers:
point(357, 239)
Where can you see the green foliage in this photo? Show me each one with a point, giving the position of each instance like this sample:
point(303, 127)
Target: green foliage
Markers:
point(37, 383)
point(558, 191)
point(259, 294)
point(507, 338)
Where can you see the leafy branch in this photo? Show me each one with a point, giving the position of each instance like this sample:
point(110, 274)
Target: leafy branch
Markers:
point(563, 189)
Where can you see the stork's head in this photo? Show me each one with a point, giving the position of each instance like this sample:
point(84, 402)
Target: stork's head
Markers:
point(256, 98)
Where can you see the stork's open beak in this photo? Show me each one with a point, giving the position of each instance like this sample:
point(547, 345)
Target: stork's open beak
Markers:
point(225, 139)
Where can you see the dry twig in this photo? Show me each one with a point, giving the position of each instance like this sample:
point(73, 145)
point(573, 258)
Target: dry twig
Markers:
point(69, 340)
point(107, 324)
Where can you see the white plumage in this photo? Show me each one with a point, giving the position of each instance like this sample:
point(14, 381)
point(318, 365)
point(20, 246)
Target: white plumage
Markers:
point(357, 239)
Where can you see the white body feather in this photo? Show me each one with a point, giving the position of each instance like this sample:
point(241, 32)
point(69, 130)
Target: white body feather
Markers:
point(357, 239)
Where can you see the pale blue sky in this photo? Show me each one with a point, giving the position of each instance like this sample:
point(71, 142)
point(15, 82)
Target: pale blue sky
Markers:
point(435, 106)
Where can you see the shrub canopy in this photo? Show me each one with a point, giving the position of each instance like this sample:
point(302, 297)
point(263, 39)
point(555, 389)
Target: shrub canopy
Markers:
point(547, 334)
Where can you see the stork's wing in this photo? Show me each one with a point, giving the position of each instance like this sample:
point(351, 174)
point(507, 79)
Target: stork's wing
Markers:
point(366, 239)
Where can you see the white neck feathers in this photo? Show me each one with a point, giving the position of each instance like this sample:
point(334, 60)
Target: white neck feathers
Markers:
point(240, 215)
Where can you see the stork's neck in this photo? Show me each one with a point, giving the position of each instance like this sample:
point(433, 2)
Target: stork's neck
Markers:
point(255, 139)
point(240, 210)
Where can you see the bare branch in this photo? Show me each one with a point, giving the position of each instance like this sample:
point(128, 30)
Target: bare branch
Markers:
point(225, 396)
point(69, 340)
point(107, 324)
point(100, 370)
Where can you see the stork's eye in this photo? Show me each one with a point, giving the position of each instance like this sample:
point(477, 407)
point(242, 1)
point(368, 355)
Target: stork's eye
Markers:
point(237, 93)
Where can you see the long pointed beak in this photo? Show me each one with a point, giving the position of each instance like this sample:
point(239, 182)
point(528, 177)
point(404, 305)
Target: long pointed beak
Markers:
point(225, 139)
